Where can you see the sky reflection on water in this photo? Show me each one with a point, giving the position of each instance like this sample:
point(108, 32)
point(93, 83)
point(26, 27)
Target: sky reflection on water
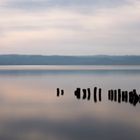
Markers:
point(30, 109)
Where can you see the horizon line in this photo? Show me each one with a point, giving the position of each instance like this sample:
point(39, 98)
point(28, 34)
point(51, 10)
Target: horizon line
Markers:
point(16, 54)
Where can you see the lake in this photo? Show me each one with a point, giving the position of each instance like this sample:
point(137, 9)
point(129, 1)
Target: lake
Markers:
point(31, 110)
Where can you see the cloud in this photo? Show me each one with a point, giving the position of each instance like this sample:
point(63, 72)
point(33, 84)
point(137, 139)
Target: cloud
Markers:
point(44, 4)
point(58, 30)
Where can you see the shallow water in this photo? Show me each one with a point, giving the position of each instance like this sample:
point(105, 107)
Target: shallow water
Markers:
point(30, 109)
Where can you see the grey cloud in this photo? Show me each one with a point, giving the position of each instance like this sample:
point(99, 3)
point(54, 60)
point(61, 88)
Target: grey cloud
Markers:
point(44, 4)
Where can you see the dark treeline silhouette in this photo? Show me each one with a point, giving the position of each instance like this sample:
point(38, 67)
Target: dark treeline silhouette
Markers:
point(68, 60)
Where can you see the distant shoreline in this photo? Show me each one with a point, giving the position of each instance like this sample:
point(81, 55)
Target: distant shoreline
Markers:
point(40, 60)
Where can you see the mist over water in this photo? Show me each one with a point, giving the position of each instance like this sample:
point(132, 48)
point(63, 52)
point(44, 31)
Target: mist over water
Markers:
point(30, 109)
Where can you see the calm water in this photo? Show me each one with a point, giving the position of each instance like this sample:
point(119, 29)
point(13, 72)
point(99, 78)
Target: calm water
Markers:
point(30, 109)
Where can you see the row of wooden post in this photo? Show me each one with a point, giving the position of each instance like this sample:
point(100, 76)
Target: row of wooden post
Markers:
point(113, 95)
point(124, 96)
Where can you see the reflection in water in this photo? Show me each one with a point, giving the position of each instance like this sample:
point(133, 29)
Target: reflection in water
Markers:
point(124, 96)
point(87, 94)
point(30, 109)
point(113, 95)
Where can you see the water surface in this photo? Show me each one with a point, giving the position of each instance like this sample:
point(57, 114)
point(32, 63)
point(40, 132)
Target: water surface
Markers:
point(30, 109)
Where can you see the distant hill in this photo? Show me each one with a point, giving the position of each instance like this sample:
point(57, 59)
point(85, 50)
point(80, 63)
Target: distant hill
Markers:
point(68, 60)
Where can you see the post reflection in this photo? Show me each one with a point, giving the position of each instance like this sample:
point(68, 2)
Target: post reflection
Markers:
point(113, 95)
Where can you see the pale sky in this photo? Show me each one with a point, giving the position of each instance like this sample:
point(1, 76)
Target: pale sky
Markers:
point(70, 27)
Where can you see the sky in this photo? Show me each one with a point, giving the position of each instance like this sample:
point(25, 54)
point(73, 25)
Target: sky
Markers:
point(70, 27)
